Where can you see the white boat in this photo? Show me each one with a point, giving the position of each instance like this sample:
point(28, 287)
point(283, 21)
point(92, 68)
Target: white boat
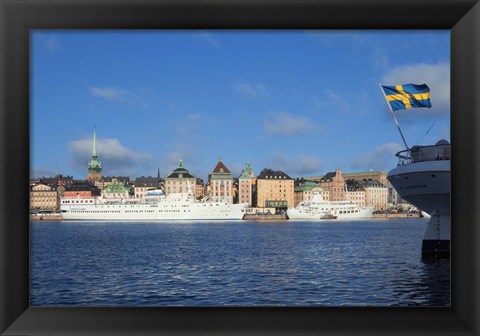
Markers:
point(155, 207)
point(318, 208)
point(422, 178)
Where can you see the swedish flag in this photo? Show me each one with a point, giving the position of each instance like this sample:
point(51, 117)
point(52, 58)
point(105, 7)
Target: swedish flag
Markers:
point(407, 96)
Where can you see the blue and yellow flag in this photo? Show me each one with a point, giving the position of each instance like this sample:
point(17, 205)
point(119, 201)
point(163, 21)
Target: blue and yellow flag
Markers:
point(407, 96)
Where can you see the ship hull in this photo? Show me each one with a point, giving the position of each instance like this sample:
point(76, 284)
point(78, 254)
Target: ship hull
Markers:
point(153, 212)
point(427, 186)
point(301, 214)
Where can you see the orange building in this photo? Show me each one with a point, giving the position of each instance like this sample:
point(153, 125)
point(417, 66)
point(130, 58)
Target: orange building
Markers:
point(335, 183)
point(275, 190)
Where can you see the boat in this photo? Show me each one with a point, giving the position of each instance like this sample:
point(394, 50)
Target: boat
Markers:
point(422, 178)
point(155, 206)
point(318, 208)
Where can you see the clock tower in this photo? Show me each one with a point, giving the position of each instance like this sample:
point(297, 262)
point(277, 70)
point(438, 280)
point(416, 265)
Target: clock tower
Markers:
point(94, 165)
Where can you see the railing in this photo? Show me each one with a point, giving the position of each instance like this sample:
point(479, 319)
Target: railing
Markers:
point(424, 154)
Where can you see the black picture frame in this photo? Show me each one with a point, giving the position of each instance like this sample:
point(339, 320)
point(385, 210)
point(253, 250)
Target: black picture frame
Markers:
point(17, 17)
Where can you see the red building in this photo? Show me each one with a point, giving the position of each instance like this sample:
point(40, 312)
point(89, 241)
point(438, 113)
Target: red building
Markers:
point(81, 190)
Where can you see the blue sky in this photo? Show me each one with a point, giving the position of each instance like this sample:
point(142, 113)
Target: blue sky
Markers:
point(305, 102)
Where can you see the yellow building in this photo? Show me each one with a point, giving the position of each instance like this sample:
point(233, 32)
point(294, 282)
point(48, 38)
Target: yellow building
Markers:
point(180, 180)
point(42, 197)
point(380, 176)
point(275, 190)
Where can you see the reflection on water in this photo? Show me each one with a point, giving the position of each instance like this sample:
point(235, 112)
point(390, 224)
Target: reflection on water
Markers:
point(331, 263)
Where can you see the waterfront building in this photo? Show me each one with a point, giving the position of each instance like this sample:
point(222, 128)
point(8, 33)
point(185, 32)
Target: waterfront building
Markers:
point(220, 184)
point(355, 192)
point(380, 176)
point(335, 183)
point(44, 197)
point(81, 189)
point(142, 184)
point(304, 189)
point(115, 189)
point(246, 184)
point(180, 180)
point(94, 165)
point(275, 189)
point(376, 194)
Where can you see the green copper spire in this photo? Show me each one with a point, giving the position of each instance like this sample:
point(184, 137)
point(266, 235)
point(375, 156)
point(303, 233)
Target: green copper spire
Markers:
point(94, 166)
point(180, 163)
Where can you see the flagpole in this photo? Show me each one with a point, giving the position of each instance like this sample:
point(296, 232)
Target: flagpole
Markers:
point(394, 118)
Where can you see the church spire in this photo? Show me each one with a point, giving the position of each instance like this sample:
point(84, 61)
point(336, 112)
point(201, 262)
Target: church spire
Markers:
point(94, 150)
point(94, 166)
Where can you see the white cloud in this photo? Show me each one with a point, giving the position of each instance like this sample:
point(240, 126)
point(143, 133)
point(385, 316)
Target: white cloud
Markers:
point(295, 166)
point(250, 90)
point(116, 159)
point(436, 76)
point(285, 124)
point(380, 158)
point(115, 94)
point(108, 93)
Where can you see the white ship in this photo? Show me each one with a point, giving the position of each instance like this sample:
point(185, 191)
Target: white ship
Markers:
point(422, 178)
point(318, 208)
point(155, 207)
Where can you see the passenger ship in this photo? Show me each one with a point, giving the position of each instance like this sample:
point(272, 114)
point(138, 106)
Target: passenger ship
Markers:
point(422, 178)
point(317, 208)
point(155, 206)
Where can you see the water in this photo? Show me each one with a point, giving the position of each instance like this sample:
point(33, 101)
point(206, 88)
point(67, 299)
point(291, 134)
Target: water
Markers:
point(288, 263)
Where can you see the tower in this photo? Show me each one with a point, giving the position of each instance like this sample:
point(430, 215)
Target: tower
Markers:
point(94, 165)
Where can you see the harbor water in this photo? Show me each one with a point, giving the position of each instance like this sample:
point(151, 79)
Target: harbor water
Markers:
point(238, 263)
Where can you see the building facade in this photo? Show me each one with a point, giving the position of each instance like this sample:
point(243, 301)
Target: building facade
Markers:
point(116, 189)
point(275, 189)
point(43, 197)
point(180, 180)
point(380, 176)
point(376, 194)
point(246, 183)
point(220, 184)
point(355, 192)
point(334, 182)
point(199, 189)
point(81, 190)
point(304, 190)
point(142, 184)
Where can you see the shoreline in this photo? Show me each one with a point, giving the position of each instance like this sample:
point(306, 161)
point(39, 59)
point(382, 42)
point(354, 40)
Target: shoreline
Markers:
point(281, 217)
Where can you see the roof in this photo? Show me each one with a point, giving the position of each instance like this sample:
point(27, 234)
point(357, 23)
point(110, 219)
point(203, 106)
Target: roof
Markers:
point(247, 173)
point(305, 186)
point(221, 168)
point(372, 184)
point(180, 172)
point(81, 186)
point(328, 176)
point(115, 187)
point(273, 174)
point(353, 185)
